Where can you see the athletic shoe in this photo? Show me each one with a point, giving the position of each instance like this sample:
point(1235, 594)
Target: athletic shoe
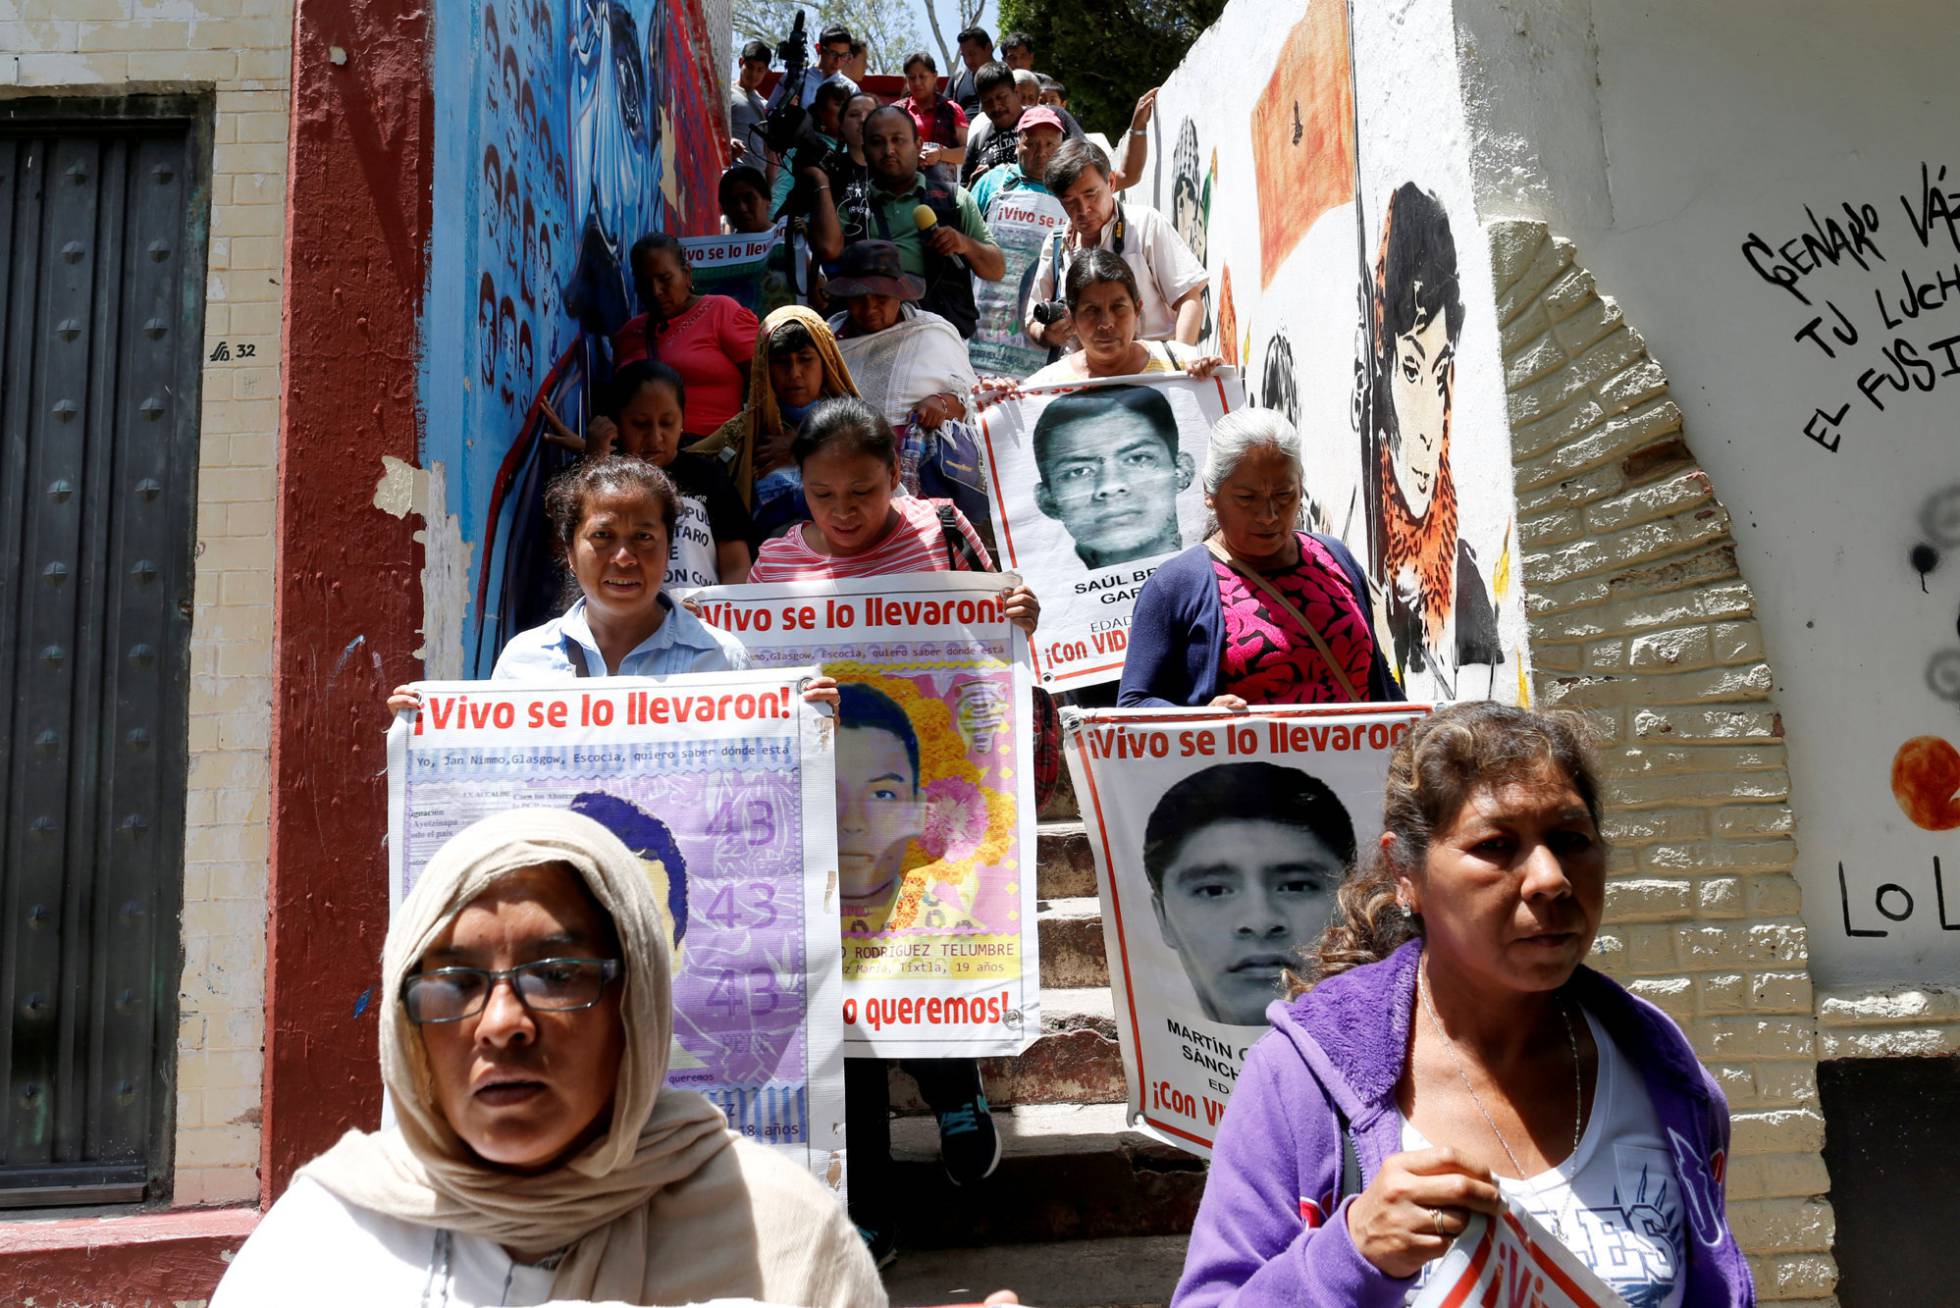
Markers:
point(883, 1244)
point(969, 1143)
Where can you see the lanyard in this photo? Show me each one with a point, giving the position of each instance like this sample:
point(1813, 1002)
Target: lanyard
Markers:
point(1064, 257)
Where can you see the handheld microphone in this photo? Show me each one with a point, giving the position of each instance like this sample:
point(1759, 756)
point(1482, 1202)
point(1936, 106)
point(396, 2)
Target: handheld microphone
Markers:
point(926, 220)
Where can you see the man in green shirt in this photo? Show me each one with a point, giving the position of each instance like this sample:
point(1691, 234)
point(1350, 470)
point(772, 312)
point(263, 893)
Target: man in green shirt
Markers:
point(948, 251)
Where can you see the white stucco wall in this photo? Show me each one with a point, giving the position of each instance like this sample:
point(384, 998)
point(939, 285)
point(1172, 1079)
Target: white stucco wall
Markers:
point(1660, 137)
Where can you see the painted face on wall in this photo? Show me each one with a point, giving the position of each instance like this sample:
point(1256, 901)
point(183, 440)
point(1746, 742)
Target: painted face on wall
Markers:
point(526, 354)
point(510, 76)
point(507, 350)
point(513, 221)
point(1188, 215)
point(492, 206)
point(1423, 374)
point(493, 46)
point(486, 332)
point(527, 266)
point(1238, 899)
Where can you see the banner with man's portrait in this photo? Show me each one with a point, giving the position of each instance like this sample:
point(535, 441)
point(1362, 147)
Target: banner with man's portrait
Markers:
point(722, 784)
point(1093, 487)
point(1220, 839)
point(934, 801)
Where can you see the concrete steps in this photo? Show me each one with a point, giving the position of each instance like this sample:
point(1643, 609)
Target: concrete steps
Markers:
point(1124, 1272)
point(1067, 1172)
point(1083, 1212)
point(1072, 954)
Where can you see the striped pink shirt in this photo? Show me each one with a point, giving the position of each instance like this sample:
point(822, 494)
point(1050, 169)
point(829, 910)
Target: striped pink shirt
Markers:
point(916, 544)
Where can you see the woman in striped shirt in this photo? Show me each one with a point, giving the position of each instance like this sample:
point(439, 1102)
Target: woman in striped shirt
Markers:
point(862, 525)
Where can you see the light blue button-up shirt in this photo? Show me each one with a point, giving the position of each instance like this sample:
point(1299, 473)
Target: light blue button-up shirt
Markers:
point(682, 643)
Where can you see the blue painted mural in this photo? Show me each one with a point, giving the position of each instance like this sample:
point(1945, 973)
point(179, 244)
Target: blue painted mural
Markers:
point(557, 126)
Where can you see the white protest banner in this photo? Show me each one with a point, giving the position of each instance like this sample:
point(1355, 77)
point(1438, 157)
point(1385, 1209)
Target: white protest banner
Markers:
point(1220, 839)
point(1512, 1260)
point(722, 784)
point(1020, 220)
point(935, 801)
point(735, 265)
point(1093, 487)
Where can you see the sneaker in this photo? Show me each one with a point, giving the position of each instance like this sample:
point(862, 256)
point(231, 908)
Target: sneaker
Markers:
point(969, 1143)
point(883, 1244)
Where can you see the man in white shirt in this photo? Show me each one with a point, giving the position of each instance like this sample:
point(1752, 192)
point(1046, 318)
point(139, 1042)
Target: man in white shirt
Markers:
point(748, 111)
point(1170, 279)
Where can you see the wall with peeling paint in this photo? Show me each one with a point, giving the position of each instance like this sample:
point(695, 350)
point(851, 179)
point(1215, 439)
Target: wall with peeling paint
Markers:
point(559, 134)
point(1323, 176)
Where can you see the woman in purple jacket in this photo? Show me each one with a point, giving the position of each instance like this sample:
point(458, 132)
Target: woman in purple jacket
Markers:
point(1448, 1052)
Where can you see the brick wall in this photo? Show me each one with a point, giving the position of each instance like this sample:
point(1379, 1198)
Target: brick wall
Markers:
point(1641, 620)
point(239, 50)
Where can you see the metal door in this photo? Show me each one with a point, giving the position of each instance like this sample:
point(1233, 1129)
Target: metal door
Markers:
point(103, 210)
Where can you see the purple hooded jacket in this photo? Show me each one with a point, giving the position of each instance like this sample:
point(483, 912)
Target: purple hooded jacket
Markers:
point(1273, 1226)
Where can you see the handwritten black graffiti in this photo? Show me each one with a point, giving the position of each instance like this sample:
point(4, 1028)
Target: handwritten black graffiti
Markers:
point(1895, 903)
point(1909, 343)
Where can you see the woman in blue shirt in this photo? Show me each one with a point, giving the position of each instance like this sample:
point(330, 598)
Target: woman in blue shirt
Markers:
point(613, 522)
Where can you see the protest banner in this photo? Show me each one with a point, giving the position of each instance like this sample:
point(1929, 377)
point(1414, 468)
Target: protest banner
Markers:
point(1020, 220)
point(722, 784)
point(1219, 839)
point(935, 801)
point(736, 266)
point(1512, 1260)
point(1093, 487)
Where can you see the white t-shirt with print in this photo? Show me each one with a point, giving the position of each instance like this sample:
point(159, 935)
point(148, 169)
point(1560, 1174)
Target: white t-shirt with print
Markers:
point(1618, 1197)
point(693, 562)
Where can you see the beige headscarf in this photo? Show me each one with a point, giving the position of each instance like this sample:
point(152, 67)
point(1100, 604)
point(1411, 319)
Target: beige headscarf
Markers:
point(669, 1207)
point(760, 423)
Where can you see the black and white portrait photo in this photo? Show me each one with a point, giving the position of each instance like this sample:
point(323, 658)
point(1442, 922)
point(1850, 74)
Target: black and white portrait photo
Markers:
point(1111, 468)
point(1243, 861)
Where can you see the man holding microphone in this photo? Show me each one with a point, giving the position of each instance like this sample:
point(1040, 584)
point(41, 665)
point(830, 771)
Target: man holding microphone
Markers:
point(936, 226)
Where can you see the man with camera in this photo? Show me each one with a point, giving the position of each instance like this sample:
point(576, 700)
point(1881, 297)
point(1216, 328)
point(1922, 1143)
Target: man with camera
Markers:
point(936, 226)
point(1170, 280)
point(834, 46)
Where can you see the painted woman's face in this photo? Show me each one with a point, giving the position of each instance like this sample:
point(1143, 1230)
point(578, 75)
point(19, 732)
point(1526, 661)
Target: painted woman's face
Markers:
point(1422, 374)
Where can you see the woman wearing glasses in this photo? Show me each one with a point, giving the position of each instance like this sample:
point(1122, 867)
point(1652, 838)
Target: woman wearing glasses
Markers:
point(525, 1029)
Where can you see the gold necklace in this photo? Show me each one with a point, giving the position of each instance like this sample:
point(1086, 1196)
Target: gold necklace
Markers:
point(1578, 1094)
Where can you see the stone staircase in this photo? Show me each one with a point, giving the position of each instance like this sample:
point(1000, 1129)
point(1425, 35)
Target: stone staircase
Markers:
point(1083, 1212)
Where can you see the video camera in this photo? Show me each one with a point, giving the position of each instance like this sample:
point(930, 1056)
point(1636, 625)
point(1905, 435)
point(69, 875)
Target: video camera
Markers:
point(788, 128)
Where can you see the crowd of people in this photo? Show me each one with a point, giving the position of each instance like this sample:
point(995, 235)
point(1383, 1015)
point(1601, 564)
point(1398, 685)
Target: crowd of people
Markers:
point(1443, 1048)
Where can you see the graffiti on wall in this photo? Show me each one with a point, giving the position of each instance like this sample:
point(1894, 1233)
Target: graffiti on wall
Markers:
point(1191, 204)
point(1907, 338)
point(1434, 604)
point(560, 131)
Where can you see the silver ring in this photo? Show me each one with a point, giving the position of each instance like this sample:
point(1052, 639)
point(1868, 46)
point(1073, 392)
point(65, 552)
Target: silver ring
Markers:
point(1436, 1220)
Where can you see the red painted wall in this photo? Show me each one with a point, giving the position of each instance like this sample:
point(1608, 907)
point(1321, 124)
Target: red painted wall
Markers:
point(349, 599)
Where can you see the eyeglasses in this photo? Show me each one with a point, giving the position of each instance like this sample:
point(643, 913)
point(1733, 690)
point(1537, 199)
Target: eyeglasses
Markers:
point(550, 985)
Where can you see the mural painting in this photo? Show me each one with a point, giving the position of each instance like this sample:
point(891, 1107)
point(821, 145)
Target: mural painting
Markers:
point(1303, 150)
point(557, 145)
point(1433, 604)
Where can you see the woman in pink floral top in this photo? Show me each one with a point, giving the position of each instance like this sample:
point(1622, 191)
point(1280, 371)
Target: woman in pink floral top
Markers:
point(1262, 613)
